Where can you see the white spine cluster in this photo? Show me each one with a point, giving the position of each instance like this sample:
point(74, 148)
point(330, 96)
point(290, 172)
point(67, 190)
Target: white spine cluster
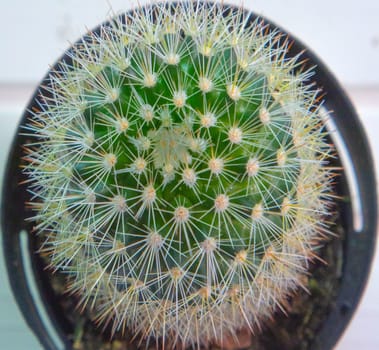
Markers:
point(179, 172)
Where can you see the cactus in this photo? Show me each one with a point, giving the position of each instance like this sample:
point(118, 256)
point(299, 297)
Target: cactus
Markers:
point(178, 171)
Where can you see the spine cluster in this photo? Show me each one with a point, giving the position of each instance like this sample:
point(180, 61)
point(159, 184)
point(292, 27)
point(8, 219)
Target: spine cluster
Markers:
point(178, 171)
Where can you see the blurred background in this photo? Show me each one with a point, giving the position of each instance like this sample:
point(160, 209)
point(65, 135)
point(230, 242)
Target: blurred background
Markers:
point(344, 34)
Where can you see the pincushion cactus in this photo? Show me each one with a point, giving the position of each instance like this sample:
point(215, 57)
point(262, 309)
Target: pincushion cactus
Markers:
point(178, 171)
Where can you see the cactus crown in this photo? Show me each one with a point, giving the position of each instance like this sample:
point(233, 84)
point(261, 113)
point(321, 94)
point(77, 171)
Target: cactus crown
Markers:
point(178, 171)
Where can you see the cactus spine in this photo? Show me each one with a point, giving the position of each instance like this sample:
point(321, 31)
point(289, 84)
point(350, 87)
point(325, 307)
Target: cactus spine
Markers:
point(179, 172)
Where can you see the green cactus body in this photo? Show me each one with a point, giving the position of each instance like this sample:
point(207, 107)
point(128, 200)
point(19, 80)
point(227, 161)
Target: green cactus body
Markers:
point(178, 172)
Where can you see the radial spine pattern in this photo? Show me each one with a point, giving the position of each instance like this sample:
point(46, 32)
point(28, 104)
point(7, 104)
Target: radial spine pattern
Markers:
point(178, 172)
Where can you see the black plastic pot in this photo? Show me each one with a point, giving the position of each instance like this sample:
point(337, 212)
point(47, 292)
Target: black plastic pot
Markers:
point(358, 216)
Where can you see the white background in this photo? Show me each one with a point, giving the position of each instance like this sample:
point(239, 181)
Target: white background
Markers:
point(345, 35)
